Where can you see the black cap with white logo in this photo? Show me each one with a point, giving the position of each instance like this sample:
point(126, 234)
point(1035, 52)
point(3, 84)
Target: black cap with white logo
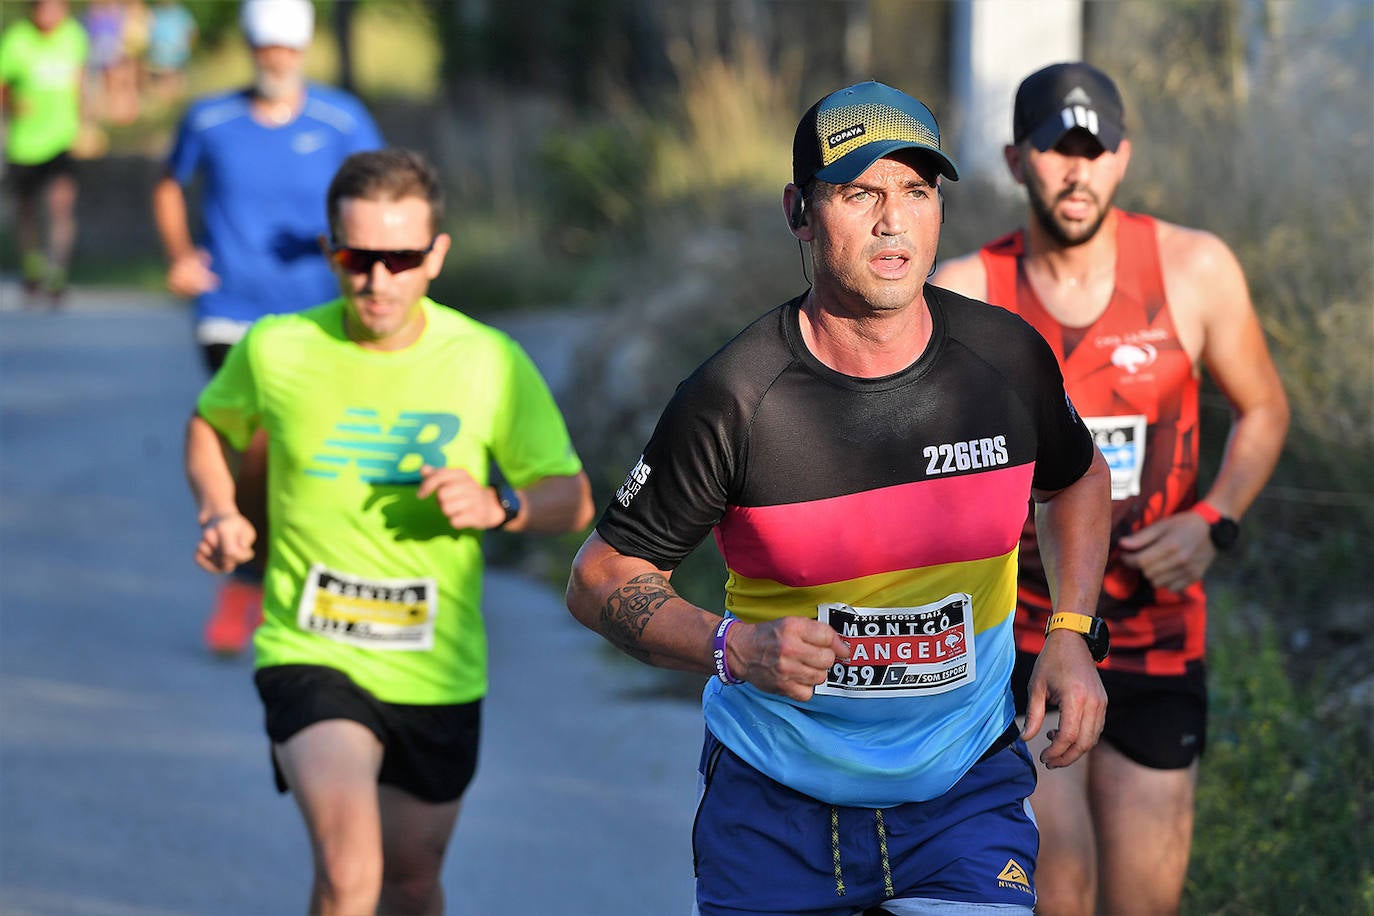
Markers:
point(1064, 97)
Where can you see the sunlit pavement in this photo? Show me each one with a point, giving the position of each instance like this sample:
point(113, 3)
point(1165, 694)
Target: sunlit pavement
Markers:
point(134, 776)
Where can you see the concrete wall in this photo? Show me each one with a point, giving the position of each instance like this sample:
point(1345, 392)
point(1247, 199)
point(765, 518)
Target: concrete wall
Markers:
point(994, 45)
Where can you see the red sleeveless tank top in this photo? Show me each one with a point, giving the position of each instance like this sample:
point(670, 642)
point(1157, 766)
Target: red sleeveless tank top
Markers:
point(1130, 378)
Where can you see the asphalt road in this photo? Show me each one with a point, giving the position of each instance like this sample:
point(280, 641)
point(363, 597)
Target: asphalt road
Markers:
point(134, 776)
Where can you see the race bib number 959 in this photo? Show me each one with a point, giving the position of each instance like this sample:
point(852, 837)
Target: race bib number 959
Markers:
point(902, 652)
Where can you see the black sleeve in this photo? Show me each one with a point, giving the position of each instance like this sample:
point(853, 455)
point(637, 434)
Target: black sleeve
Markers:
point(1065, 448)
point(1064, 445)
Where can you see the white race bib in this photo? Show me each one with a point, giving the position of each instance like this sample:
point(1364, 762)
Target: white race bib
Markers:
point(394, 614)
point(1121, 440)
point(903, 651)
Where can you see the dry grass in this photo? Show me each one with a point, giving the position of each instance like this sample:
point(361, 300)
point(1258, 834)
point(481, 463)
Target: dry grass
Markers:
point(735, 125)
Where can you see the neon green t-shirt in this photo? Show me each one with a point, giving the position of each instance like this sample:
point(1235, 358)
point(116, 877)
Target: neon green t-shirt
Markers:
point(362, 576)
point(42, 74)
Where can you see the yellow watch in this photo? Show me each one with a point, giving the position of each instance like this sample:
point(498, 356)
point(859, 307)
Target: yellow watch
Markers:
point(1094, 630)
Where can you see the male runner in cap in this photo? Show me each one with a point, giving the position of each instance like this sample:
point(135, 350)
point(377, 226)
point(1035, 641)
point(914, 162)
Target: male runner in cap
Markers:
point(1134, 308)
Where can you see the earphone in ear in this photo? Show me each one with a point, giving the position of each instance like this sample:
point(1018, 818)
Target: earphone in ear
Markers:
point(798, 217)
point(941, 191)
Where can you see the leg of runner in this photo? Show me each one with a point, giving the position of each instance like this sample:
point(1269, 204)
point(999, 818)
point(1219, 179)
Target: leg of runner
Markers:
point(1145, 830)
point(61, 199)
point(331, 768)
point(1065, 870)
point(415, 835)
point(33, 263)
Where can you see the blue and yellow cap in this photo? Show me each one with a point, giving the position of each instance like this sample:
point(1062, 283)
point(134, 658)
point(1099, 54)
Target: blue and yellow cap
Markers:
point(844, 133)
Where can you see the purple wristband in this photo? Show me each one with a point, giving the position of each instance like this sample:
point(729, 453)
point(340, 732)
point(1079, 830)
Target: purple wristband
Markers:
point(718, 653)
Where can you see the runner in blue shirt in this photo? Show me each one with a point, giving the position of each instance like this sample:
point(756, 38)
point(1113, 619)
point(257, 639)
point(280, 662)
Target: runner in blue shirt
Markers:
point(263, 156)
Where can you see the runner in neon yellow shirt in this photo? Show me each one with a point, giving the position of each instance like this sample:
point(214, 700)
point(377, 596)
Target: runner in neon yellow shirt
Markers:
point(41, 60)
point(384, 412)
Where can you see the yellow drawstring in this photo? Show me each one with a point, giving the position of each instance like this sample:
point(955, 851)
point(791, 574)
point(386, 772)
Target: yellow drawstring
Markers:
point(882, 847)
point(835, 849)
point(888, 889)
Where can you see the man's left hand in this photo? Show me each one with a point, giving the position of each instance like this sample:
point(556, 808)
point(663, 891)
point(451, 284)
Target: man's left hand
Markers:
point(1065, 676)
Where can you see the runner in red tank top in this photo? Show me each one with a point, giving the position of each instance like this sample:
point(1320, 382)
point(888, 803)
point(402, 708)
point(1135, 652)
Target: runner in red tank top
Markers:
point(1133, 381)
point(1134, 308)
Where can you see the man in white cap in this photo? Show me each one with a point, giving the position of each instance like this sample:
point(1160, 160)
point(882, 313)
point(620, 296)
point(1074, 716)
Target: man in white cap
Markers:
point(264, 155)
point(864, 455)
point(1134, 309)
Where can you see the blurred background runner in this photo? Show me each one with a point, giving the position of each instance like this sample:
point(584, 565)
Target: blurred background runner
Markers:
point(265, 154)
point(41, 62)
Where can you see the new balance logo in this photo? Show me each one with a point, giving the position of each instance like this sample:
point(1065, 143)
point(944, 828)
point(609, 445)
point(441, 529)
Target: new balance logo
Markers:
point(381, 455)
point(1013, 876)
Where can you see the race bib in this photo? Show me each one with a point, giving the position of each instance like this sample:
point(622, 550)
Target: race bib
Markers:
point(393, 614)
point(904, 651)
point(1121, 440)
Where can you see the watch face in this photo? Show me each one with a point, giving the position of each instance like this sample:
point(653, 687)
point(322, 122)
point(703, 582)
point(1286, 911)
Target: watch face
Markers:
point(1225, 532)
point(1099, 640)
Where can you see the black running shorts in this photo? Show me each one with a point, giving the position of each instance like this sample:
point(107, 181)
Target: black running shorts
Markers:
point(1159, 722)
point(26, 181)
point(429, 751)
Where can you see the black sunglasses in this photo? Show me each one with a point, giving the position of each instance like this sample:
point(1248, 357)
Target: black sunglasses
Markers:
point(360, 260)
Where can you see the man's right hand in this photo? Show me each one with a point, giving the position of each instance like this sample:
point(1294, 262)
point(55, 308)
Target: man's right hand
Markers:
point(190, 274)
point(226, 541)
point(788, 656)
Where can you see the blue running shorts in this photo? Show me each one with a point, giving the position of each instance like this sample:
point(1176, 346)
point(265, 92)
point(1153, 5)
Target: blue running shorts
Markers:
point(760, 847)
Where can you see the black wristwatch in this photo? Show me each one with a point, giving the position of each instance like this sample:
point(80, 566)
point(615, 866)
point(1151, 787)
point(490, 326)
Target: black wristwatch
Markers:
point(1224, 531)
point(509, 500)
point(1094, 630)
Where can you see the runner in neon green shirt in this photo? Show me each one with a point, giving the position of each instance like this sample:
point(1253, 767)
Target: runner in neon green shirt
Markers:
point(41, 60)
point(384, 412)
point(352, 452)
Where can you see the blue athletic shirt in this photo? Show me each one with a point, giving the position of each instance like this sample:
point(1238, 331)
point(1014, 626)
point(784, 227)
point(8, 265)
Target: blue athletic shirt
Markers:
point(262, 197)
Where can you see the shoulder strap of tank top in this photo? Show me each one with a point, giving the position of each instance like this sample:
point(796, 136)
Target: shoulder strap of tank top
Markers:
point(1138, 270)
point(1000, 259)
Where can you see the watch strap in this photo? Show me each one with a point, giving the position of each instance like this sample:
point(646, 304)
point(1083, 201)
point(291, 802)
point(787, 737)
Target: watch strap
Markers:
point(1210, 515)
point(510, 502)
point(1079, 623)
point(1092, 629)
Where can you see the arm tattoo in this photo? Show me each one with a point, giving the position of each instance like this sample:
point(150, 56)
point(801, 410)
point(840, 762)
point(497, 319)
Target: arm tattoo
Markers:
point(628, 609)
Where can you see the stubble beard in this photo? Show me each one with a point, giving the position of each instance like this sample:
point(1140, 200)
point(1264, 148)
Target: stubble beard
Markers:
point(865, 294)
point(1061, 234)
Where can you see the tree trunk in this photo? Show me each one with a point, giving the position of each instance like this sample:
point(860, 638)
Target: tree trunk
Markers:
point(343, 37)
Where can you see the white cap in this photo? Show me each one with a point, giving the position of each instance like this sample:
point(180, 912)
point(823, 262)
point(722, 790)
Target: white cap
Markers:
point(289, 23)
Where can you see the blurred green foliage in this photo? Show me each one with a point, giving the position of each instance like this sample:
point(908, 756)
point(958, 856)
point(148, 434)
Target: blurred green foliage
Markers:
point(1285, 805)
point(596, 177)
point(567, 46)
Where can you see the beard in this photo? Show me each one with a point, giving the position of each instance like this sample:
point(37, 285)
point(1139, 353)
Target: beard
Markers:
point(1067, 236)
